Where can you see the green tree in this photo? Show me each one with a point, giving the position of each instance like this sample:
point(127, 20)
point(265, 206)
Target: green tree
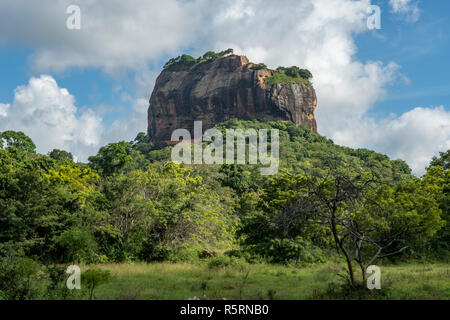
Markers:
point(60, 155)
point(369, 220)
point(227, 52)
point(94, 277)
point(210, 56)
point(18, 140)
point(305, 74)
point(111, 158)
point(443, 160)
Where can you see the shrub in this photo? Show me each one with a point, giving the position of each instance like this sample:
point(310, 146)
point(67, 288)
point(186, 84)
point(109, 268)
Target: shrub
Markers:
point(77, 246)
point(292, 75)
point(92, 278)
point(189, 61)
point(290, 251)
point(223, 261)
point(284, 78)
point(259, 66)
point(20, 278)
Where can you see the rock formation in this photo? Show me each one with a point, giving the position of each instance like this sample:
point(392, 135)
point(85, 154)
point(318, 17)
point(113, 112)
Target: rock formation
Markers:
point(219, 90)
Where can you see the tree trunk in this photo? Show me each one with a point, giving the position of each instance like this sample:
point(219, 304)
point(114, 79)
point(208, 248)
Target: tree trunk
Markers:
point(344, 251)
point(349, 265)
point(364, 272)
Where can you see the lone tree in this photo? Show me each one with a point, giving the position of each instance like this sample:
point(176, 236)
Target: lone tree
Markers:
point(368, 219)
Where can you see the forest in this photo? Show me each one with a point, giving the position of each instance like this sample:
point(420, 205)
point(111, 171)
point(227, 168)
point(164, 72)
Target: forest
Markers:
point(130, 208)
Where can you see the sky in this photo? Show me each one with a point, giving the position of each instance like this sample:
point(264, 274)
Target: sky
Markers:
point(384, 89)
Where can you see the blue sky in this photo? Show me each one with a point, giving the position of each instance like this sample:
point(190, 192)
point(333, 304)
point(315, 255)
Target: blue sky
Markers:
point(386, 90)
point(421, 49)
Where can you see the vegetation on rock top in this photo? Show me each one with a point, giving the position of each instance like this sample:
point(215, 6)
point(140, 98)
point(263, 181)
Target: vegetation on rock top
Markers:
point(185, 60)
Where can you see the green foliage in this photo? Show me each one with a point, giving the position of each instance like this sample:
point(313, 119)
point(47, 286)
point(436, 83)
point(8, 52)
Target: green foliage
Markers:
point(292, 75)
point(142, 143)
point(289, 251)
point(111, 158)
point(181, 61)
point(19, 275)
point(439, 245)
point(259, 66)
point(61, 155)
point(187, 61)
point(94, 277)
point(32, 210)
point(18, 140)
point(223, 261)
point(77, 245)
point(132, 204)
point(443, 160)
point(283, 78)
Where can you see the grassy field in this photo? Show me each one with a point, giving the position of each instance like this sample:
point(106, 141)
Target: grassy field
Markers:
point(161, 281)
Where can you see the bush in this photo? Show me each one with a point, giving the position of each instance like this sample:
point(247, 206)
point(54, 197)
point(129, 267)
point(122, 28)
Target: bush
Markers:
point(77, 246)
point(290, 251)
point(247, 255)
point(285, 79)
point(92, 278)
point(292, 75)
point(57, 287)
point(223, 261)
point(259, 66)
point(20, 278)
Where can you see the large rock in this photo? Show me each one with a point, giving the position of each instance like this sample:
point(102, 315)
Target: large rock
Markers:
point(223, 89)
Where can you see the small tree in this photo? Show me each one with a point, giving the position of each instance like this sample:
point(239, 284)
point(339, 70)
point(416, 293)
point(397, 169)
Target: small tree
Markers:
point(211, 55)
point(305, 74)
point(227, 52)
point(368, 219)
point(92, 278)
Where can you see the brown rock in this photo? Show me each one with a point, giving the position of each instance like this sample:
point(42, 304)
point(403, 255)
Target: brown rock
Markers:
point(223, 89)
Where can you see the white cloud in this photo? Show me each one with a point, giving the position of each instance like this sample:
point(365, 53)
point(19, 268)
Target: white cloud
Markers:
point(124, 36)
point(4, 110)
point(47, 113)
point(415, 136)
point(113, 36)
point(407, 8)
point(135, 121)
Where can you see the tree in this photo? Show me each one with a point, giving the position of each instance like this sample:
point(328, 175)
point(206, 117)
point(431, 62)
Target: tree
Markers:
point(94, 277)
point(365, 218)
point(305, 74)
point(368, 219)
point(443, 160)
point(227, 52)
point(111, 158)
point(60, 155)
point(33, 208)
point(18, 140)
point(142, 143)
point(439, 178)
point(259, 66)
point(210, 56)
point(293, 71)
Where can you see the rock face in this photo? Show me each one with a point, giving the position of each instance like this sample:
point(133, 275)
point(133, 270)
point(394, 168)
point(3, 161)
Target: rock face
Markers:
point(223, 89)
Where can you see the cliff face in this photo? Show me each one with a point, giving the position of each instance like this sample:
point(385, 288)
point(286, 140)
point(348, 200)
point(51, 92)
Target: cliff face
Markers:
point(223, 89)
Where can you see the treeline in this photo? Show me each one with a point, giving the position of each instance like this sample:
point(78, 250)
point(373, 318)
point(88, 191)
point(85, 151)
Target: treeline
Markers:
point(186, 60)
point(131, 203)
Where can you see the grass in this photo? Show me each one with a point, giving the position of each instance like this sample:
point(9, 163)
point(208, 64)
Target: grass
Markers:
point(281, 77)
point(179, 281)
